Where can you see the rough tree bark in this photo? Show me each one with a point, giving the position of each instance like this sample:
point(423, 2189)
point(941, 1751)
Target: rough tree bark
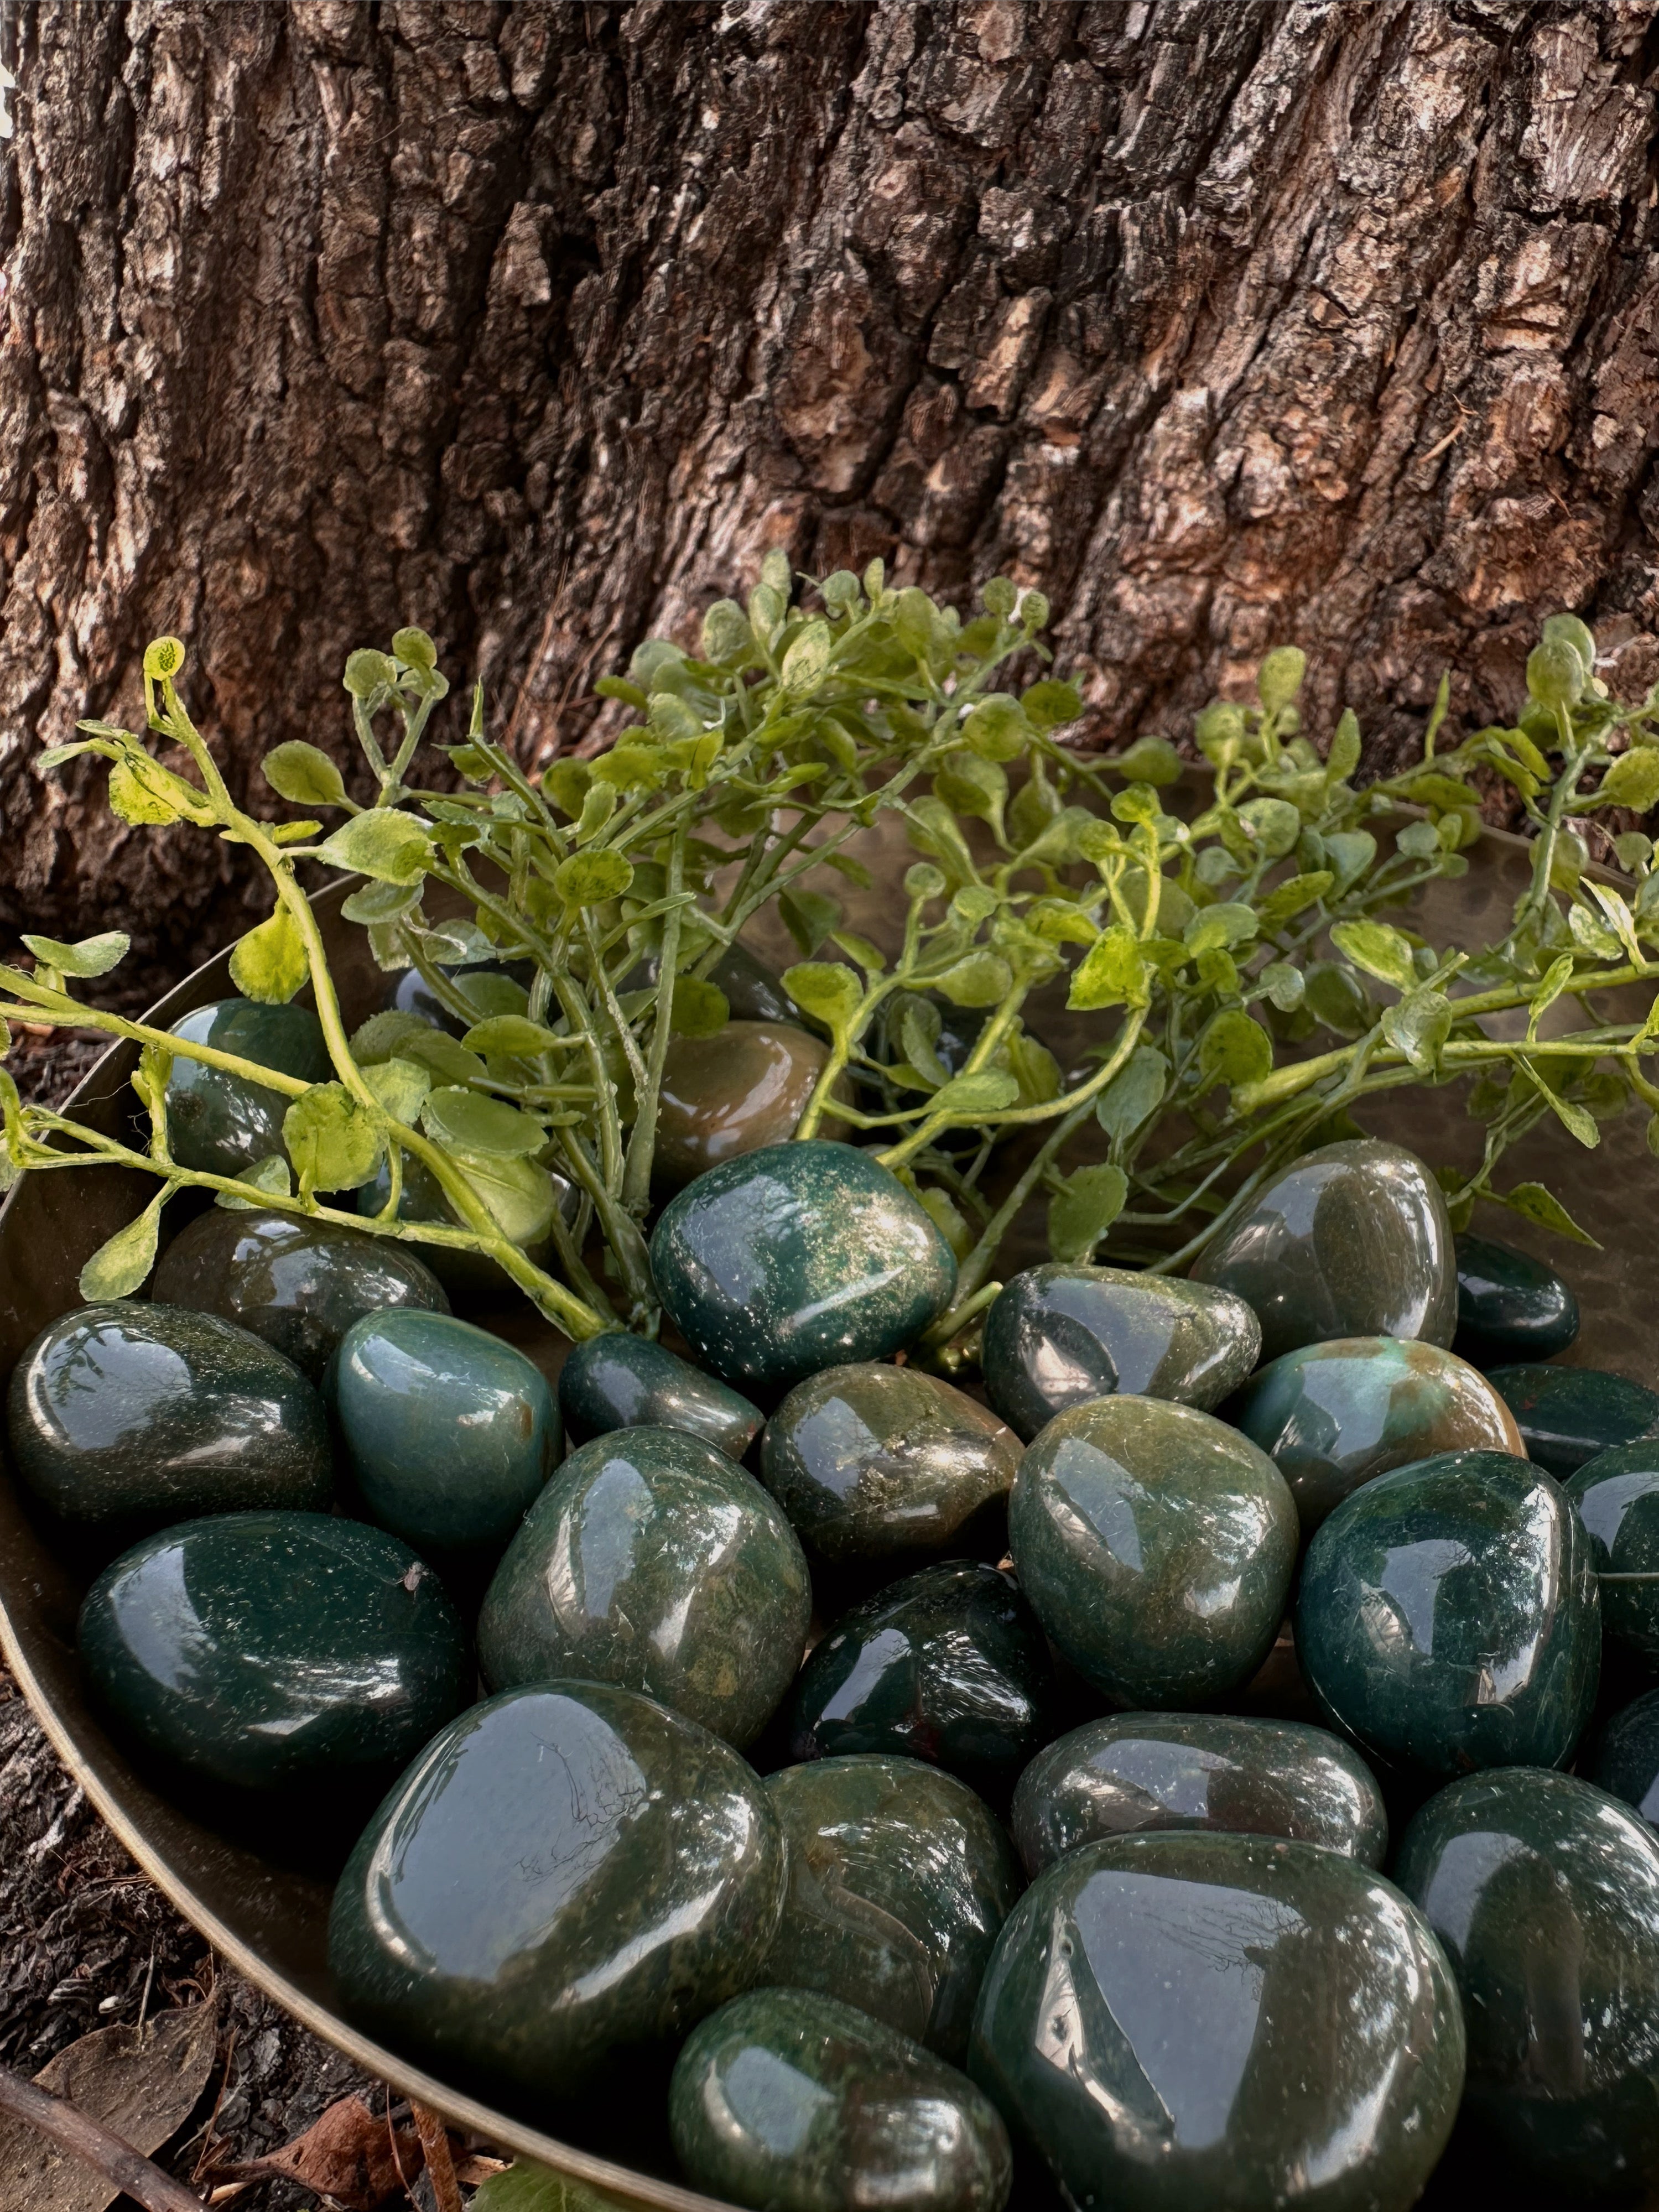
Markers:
point(1332, 319)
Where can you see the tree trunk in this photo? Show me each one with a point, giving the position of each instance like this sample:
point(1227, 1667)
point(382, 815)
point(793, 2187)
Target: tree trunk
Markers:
point(1323, 320)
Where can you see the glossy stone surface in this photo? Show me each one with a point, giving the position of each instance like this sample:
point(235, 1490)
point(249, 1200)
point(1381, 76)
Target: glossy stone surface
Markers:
point(948, 1665)
point(1510, 1306)
point(899, 1880)
point(1448, 1616)
point(1133, 1771)
point(1545, 1893)
point(565, 1881)
point(797, 1257)
point(450, 1432)
point(650, 1560)
point(743, 1088)
point(134, 1412)
point(622, 1381)
point(1156, 1546)
point(1626, 1762)
point(1061, 1335)
point(1332, 1416)
point(407, 991)
point(1567, 1415)
point(269, 1651)
point(298, 1283)
point(872, 1462)
point(790, 2101)
point(1616, 1497)
point(1353, 1240)
point(1188, 2022)
point(220, 1124)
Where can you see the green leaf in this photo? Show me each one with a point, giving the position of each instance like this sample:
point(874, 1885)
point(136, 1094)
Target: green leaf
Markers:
point(519, 1194)
point(132, 796)
point(1573, 1118)
point(1280, 677)
point(1536, 1203)
point(118, 1268)
point(1273, 826)
point(996, 729)
point(333, 1142)
point(566, 783)
point(1234, 1050)
point(1343, 758)
point(400, 1086)
point(1633, 780)
point(1112, 974)
point(1149, 759)
point(447, 1056)
point(980, 979)
point(870, 957)
point(948, 1218)
point(381, 903)
point(827, 991)
point(415, 648)
point(1080, 1214)
point(1418, 1026)
point(526, 2187)
point(270, 1176)
point(973, 786)
point(809, 917)
point(512, 1036)
point(1047, 704)
point(383, 1035)
point(806, 663)
point(55, 755)
point(1226, 924)
point(163, 656)
point(304, 773)
point(1134, 1094)
point(701, 1008)
point(588, 879)
point(490, 1128)
point(93, 956)
point(270, 964)
point(986, 1091)
point(1284, 985)
point(392, 847)
point(1292, 897)
point(1380, 950)
point(366, 672)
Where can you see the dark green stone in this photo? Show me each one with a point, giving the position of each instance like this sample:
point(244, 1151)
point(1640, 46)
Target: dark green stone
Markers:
point(948, 1665)
point(798, 1257)
point(271, 1650)
point(1060, 1336)
point(1509, 1307)
point(1133, 1771)
point(1187, 2022)
point(899, 1880)
point(522, 1195)
point(1332, 1416)
point(132, 1413)
point(1353, 1240)
point(219, 1124)
point(789, 2101)
point(298, 1283)
point(1616, 1495)
point(1567, 1415)
point(564, 1882)
point(1448, 1616)
point(1627, 1758)
point(1156, 1546)
point(1545, 1894)
point(621, 1382)
point(649, 1560)
point(879, 1462)
point(451, 1433)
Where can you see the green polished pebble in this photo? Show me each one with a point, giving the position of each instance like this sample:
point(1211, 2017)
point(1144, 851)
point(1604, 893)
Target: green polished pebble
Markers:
point(797, 1257)
point(1188, 2022)
point(272, 1651)
point(451, 1433)
point(651, 1561)
point(1568, 1415)
point(615, 1381)
point(1353, 1240)
point(789, 2101)
point(1616, 1496)
point(1061, 1335)
point(899, 1880)
point(566, 1880)
point(876, 1462)
point(130, 1413)
point(1156, 1546)
point(298, 1283)
point(1448, 1616)
point(1510, 1306)
point(1626, 1762)
point(220, 1124)
point(1133, 1771)
point(737, 1092)
point(948, 1665)
point(1545, 1891)
point(1332, 1416)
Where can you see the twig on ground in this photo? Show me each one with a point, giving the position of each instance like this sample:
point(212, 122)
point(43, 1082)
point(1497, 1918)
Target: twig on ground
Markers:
point(122, 2166)
point(435, 2141)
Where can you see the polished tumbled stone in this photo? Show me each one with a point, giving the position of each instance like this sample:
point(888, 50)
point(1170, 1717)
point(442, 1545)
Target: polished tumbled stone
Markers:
point(1448, 1616)
point(786, 2100)
point(798, 1257)
point(1156, 1546)
point(615, 1381)
point(270, 1651)
point(1061, 1335)
point(1616, 1496)
point(567, 1877)
point(899, 1880)
point(1332, 1416)
point(451, 1433)
point(872, 1462)
point(131, 1412)
point(1133, 1771)
point(1509, 1307)
point(1545, 1891)
point(219, 1123)
point(948, 1665)
point(650, 1560)
point(1353, 1240)
point(1183, 2022)
point(1567, 1415)
point(1626, 1762)
point(298, 1283)
point(737, 1092)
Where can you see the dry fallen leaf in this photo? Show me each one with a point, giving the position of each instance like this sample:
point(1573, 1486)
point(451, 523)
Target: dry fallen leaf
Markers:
point(347, 2155)
point(141, 2084)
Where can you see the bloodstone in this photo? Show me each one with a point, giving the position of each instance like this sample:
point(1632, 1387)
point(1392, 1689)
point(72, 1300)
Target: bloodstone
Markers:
point(615, 1381)
point(1448, 1616)
point(1627, 1758)
point(1060, 1336)
point(1509, 1307)
point(219, 1123)
point(650, 1560)
point(743, 1088)
point(1191, 2021)
point(1353, 1240)
point(1133, 1771)
point(1616, 1496)
point(791, 2101)
point(1567, 1415)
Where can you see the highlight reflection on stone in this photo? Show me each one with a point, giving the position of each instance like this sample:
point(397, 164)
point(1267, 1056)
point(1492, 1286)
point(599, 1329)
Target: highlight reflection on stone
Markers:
point(219, 1123)
point(1616, 1497)
point(1566, 1415)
